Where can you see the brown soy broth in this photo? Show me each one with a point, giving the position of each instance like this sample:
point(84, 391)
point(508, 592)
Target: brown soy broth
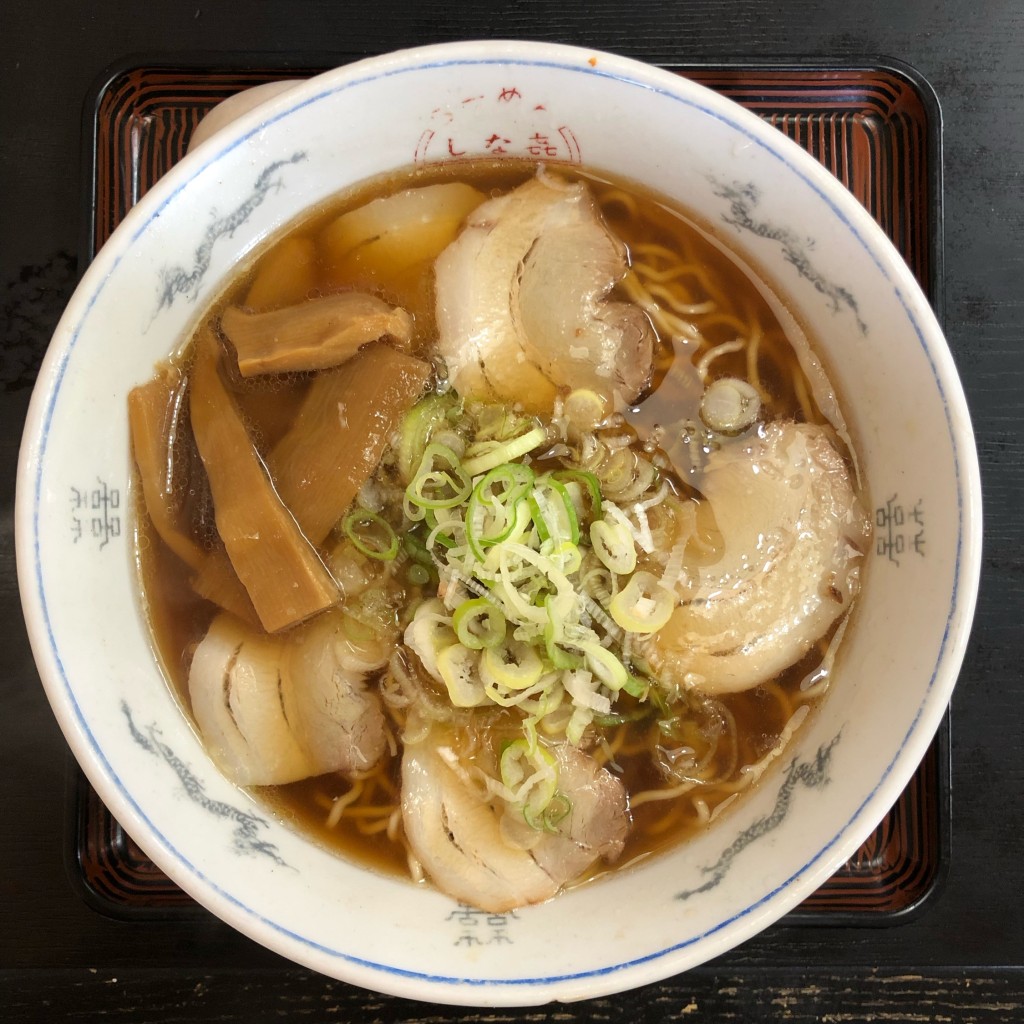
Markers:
point(307, 804)
point(657, 825)
point(179, 618)
point(713, 275)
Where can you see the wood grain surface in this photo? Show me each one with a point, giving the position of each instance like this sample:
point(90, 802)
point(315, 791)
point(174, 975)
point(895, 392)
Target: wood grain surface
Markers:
point(876, 997)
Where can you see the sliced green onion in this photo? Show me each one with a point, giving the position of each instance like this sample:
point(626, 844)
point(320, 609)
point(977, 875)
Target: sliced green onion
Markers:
point(553, 512)
point(581, 718)
point(729, 406)
point(513, 764)
point(429, 633)
point(589, 485)
point(615, 718)
point(511, 664)
point(613, 544)
point(585, 409)
point(549, 701)
point(643, 605)
point(417, 574)
point(436, 489)
point(503, 561)
point(506, 483)
point(554, 636)
point(499, 422)
point(558, 656)
point(479, 623)
point(567, 556)
point(526, 626)
point(486, 455)
point(438, 531)
point(509, 561)
point(605, 665)
point(457, 666)
point(418, 426)
point(440, 482)
point(414, 547)
point(492, 511)
point(558, 809)
point(509, 698)
point(530, 773)
point(371, 534)
point(636, 687)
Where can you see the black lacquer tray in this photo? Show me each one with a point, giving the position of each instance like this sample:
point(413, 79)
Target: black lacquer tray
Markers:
point(876, 128)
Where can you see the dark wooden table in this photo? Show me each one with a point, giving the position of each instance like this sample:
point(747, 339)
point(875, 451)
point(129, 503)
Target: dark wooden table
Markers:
point(961, 958)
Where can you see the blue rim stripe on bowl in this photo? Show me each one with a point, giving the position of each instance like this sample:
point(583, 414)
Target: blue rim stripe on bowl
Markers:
point(821, 855)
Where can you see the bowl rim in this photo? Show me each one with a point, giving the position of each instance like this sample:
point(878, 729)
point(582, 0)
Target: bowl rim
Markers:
point(728, 933)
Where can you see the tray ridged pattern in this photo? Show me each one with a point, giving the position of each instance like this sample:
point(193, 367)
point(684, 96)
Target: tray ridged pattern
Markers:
point(869, 127)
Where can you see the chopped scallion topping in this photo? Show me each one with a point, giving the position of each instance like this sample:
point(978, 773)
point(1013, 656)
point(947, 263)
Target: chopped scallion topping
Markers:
point(544, 591)
point(371, 534)
point(479, 623)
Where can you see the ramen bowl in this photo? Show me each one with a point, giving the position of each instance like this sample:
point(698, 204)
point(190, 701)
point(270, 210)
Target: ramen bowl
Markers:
point(840, 278)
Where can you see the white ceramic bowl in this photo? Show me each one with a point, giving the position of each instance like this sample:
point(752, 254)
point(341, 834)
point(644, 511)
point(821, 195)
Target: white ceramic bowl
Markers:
point(903, 404)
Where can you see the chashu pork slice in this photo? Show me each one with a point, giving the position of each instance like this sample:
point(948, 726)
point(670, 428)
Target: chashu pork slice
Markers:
point(276, 709)
point(793, 535)
point(523, 306)
point(459, 838)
